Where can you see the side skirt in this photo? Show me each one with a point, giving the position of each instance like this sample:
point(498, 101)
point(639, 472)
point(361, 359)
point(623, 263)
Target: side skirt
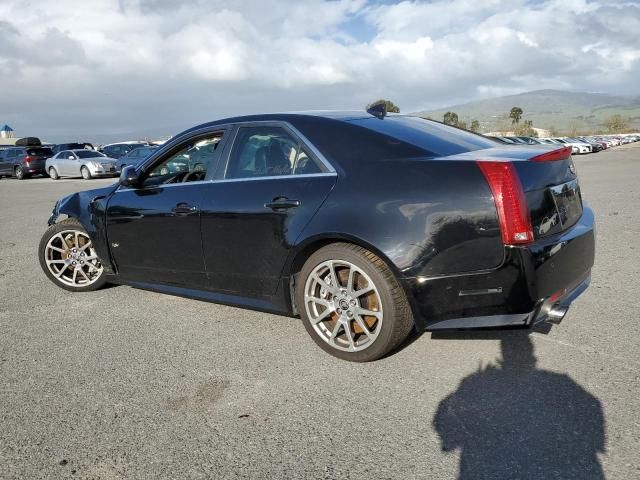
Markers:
point(259, 304)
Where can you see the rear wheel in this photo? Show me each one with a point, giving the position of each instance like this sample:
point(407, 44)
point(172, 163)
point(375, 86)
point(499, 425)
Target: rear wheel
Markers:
point(86, 174)
point(19, 173)
point(68, 258)
point(351, 303)
point(53, 173)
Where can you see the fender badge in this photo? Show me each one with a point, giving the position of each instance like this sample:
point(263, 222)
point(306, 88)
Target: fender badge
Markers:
point(115, 244)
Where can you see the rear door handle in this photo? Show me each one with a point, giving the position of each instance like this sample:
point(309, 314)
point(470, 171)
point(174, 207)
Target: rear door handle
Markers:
point(184, 208)
point(282, 203)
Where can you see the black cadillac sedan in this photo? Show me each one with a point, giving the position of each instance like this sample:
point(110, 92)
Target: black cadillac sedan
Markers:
point(366, 226)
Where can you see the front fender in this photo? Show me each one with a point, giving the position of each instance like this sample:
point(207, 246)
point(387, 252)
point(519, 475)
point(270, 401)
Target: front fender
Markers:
point(89, 208)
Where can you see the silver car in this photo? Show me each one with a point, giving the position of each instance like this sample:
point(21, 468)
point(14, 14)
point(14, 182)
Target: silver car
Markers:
point(80, 163)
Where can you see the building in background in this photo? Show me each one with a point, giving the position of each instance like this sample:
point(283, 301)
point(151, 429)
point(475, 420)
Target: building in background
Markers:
point(6, 132)
point(7, 136)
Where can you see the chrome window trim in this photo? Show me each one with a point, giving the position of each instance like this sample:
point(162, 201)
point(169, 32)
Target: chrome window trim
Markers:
point(305, 142)
point(231, 131)
point(122, 188)
point(169, 144)
point(274, 177)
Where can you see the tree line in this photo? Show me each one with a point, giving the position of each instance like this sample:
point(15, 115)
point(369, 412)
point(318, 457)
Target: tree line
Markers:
point(612, 124)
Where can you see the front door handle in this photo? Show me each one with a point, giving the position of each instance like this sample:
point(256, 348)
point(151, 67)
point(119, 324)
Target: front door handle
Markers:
point(282, 203)
point(184, 208)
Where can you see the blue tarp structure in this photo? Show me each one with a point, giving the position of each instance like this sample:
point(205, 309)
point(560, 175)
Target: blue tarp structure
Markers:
point(6, 128)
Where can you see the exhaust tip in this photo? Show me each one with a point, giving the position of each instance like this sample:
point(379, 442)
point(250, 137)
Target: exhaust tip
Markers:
point(556, 314)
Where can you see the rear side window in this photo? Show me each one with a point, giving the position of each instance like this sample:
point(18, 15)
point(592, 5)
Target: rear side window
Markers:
point(435, 139)
point(267, 152)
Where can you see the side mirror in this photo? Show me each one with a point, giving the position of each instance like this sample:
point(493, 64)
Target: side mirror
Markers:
point(71, 157)
point(129, 176)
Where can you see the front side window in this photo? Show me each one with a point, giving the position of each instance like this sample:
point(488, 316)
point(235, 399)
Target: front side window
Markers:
point(266, 152)
point(190, 162)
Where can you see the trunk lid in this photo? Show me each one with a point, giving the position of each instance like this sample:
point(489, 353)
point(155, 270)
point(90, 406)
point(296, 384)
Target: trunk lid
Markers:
point(551, 187)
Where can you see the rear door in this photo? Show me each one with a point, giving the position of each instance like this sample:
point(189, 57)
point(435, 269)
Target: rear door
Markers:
point(268, 189)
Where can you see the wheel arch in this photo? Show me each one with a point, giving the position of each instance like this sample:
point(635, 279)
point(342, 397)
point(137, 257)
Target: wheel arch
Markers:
point(88, 209)
point(311, 245)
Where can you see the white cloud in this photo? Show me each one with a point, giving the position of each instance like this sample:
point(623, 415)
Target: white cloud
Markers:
point(164, 65)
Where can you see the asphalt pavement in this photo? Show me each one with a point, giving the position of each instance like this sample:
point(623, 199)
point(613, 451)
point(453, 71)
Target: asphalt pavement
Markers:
point(123, 383)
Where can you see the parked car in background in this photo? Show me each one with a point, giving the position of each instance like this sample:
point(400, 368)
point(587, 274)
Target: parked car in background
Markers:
point(529, 140)
point(595, 145)
point(549, 141)
point(24, 162)
point(577, 147)
point(442, 229)
point(117, 150)
point(134, 156)
point(503, 139)
point(59, 147)
point(80, 163)
point(516, 140)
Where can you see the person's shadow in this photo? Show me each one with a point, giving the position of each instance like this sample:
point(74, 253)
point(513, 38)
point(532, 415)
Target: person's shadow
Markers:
point(514, 421)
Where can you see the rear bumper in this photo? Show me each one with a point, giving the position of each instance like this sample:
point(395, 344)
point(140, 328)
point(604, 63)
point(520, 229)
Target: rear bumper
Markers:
point(522, 291)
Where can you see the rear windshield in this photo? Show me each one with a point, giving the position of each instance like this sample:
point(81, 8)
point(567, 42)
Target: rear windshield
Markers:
point(88, 153)
point(435, 138)
point(39, 152)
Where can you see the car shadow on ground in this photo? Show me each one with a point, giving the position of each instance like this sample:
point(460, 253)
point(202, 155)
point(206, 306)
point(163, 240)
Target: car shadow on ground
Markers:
point(513, 420)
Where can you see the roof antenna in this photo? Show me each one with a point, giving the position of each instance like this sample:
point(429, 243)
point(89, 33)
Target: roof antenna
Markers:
point(378, 110)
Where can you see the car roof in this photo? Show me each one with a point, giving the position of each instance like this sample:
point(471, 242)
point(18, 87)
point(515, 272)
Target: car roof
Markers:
point(338, 115)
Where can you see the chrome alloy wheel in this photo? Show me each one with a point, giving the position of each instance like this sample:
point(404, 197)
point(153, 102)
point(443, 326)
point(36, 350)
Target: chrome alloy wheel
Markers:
point(71, 258)
point(343, 305)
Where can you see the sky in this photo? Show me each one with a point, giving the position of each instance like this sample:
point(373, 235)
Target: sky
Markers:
point(96, 69)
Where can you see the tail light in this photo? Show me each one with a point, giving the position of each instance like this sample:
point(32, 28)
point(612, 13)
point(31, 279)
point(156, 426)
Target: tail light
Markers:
point(511, 204)
point(560, 154)
point(26, 160)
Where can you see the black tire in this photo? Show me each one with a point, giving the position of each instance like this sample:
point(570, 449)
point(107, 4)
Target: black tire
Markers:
point(19, 173)
point(68, 224)
point(53, 174)
point(86, 174)
point(398, 319)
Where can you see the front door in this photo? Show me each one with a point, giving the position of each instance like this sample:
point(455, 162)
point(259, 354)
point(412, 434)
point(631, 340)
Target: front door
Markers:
point(68, 164)
point(154, 229)
point(251, 217)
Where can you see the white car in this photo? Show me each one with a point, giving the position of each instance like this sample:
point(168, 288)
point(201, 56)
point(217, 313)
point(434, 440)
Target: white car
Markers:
point(80, 163)
point(576, 146)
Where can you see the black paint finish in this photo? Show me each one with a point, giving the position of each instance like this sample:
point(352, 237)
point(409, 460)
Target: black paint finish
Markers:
point(409, 190)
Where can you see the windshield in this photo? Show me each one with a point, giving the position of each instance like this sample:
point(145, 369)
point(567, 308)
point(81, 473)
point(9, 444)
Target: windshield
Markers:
point(88, 154)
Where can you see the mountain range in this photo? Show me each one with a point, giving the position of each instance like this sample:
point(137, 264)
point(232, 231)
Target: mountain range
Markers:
point(564, 111)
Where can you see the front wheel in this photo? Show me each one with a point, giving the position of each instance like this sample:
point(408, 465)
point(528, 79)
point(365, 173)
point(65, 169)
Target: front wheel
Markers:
point(68, 258)
point(351, 303)
point(86, 174)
